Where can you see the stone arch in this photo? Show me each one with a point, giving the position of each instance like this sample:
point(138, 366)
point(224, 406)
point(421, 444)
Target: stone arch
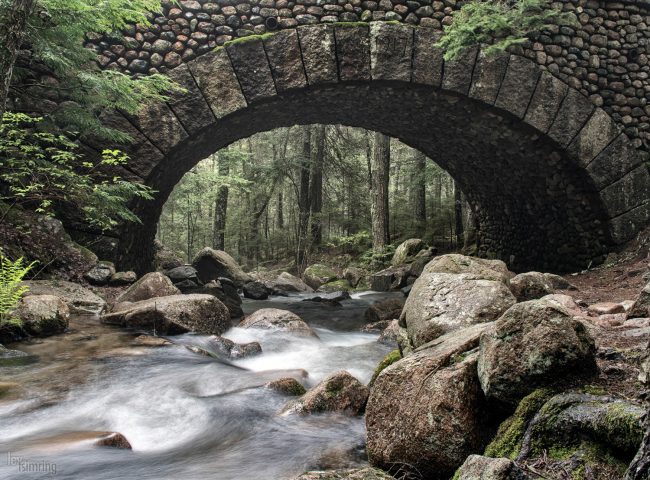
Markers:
point(554, 180)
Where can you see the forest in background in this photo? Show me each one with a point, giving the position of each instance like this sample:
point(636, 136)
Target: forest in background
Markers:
point(293, 195)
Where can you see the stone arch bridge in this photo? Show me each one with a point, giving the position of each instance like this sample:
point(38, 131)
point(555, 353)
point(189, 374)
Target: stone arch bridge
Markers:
point(557, 177)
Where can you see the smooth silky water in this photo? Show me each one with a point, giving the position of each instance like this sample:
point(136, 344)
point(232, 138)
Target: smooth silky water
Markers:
point(186, 415)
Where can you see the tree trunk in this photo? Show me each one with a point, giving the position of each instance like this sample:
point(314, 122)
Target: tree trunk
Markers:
point(304, 202)
point(220, 209)
point(316, 187)
point(12, 31)
point(458, 211)
point(420, 193)
point(380, 164)
point(280, 210)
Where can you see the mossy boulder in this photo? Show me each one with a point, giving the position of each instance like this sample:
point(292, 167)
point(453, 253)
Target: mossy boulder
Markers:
point(479, 267)
point(406, 251)
point(530, 286)
point(43, 315)
point(641, 307)
point(339, 392)
point(335, 286)
point(392, 357)
point(319, 274)
point(534, 344)
point(287, 386)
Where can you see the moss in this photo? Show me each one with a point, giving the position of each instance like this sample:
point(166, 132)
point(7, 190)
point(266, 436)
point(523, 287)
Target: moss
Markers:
point(457, 474)
point(622, 426)
point(507, 442)
point(248, 39)
point(388, 360)
point(336, 285)
point(594, 390)
point(591, 454)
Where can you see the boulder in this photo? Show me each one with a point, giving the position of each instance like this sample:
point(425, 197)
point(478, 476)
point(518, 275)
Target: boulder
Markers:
point(43, 315)
point(332, 297)
point(165, 259)
point(566, 301)
point(530, 286)
point(387, 309)
point(225, 291)
point(287, 386)
point(119, 279)
point(639, 468)
point(100, 274)
point(354, 276)
point(426, 412)
point(150, 341)
point(286, 284)
point(389, 334)
point(182, 274)
point(151, 285)
point(225, 348)
point(175, 314)
point(339, 392)
point(641, 307)
point(406, 250)
point(481, 268)
point(211, 264)
point(113, 440)
point(334, 286)
point(392, 278)
point(605, 308)
point(319, 274)
point(442, 302)
point(534, 344)
point(367, 473)
point(80, 300)
point(477, 467)
point(559, 283)
point(276, 319)
point(256, 291)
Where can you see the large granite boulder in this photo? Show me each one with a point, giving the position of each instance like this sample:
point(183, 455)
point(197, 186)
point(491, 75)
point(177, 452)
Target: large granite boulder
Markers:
point(100, 274)
point(276, 319)
point(172, 315)
point(426, 412)
point(319, 274)
point(442, 302)
point(119, 279)
point(184, 276)
point(477, 467)
point(534, 344)
point(531, 286)
point(256, 291)
point(339, 392)
point(211, 264)
point(224, 289)
point(354, 276)
point(391, 278)
point(151, 285)
point(641, 307)
point(387, 309)
point(286, 284)
point(639, 468)
point(43, 315)
point(455, 263)
point(79, 300)
point(406, 251)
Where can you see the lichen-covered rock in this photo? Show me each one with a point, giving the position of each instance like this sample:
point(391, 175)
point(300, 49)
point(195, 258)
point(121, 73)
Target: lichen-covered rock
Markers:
point(151, 285)
point(387, 309)
point(79, 300)
point(285, 284)
point(43, 315)
point(387, 361)
point(406, 250)
point(119, 279)
point(641, 307)
point(339, 392)
point(354, 276)
point(530, 286)
point(534, 344)
point(287, 386)
point(481, 268)
point(426, 412)
point(442, 302)
point(477, 467)
point(211, 264)
point(277, 319)
point(361, 474)
point(100, 274)
point(256, 291)
point(175, 314)
point(391, 278)
point(319, 274)
point(390, 334)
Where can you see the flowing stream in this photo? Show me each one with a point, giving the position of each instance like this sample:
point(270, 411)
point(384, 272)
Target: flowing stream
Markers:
point(185, 415)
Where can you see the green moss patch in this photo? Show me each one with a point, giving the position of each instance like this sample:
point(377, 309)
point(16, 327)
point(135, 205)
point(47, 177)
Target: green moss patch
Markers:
point(388, 360)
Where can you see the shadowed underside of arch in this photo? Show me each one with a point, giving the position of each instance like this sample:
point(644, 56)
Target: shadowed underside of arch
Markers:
point(553, 180)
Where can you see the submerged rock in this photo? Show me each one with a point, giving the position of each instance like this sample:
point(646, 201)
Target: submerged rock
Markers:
point(426, 412)
point(80, 300)
point(443, 302)
point(13, 358)
point(534, 344)
point(150, 341)
point(152, 285)
point(211, 264)
point(276, 319)
point(43, 315)
point(340, 392)
point(173, 315)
